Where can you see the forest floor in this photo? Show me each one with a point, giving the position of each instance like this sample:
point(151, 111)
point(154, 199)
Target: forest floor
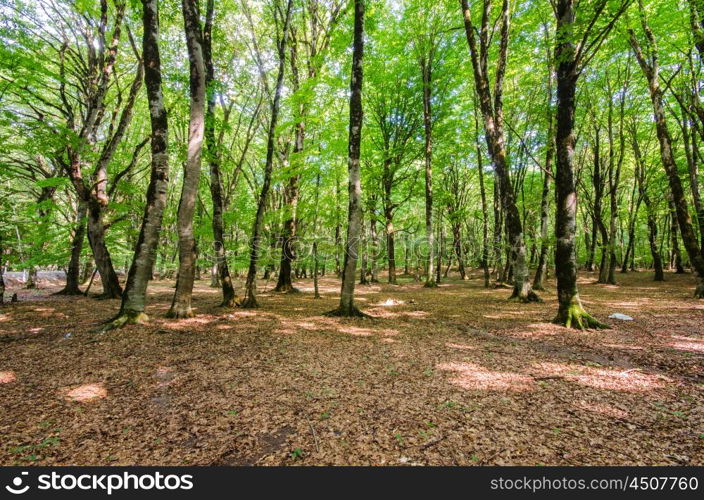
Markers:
point(453, 375)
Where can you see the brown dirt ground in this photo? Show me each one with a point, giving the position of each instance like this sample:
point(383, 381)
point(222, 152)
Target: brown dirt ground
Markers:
point(453, 375)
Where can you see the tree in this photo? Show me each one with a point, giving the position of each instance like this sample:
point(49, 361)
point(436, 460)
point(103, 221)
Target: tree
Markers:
point(647, 56)
point(491, 106)
point(181, 304)
point(573, 51)
point(250, 297)
point(134, 297)
point(347, 307)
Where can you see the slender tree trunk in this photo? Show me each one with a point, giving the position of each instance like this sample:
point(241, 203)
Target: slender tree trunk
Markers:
point(73, 273)
point(354, 218)
point(181, 304)
point(426, 71)
point(676, 253)
point(485, 209)
point(492, 112)
point(2, 269)
point(374, 236)
point(650, 67)
point(96, 237)
point(221, 277)
point(250, 297)
point(315, 241)
point(134, 297)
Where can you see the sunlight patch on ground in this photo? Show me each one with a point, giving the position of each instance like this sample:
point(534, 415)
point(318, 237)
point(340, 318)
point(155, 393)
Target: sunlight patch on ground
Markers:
point(7, 377)
point(367, 332)
point(602, 409)
point(603, 378)
point(390, 303)
point(165, 376)
point(541, 330)
point(687, 344)
point(86, 393)
point(625, 347)
point(462, 347)
point(474, 377)
point(187, 323)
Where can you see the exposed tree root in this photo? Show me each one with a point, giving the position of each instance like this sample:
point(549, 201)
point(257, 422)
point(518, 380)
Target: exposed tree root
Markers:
point(531, 296)
point(69, 291)
point(125, 318)
point(180, 313)
point(576, 317)
point(352, 312)
point(249, 303)
point(106, 296)
point(231, 302)
point(499, 284)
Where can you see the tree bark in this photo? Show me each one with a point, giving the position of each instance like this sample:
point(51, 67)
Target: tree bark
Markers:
point(492, 112)
point(650, 66)
point(181, 304)
point(250, 297)
point(73, 272)
point(222, 275)
point(134, 296)
point(347, 307)
point(426, 65)
point(570, 310)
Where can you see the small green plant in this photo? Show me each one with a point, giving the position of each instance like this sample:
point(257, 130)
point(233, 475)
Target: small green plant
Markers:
point(232, 413)
point(428, 372)
point(399, 438)
point(448, 404)
point(296, 454)
point(325, 415)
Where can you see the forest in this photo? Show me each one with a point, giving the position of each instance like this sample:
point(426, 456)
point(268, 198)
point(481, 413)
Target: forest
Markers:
point(351, 232)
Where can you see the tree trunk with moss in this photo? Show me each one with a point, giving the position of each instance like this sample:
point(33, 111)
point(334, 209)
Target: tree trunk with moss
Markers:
point(134, 296)
point(570, 311)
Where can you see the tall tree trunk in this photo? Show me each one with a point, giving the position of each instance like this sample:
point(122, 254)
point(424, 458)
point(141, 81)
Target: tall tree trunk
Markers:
point(181, 304)
point(2, 269)
point(650, 67)
point(73, 273)
point(315, 241)
point(374, 237)
point(221, 277)
point(492, 112)
point(250, 297)
point(354, 217)
point(459, 252)
point(485, 208)
point(570, 311)
point(134, 296)
point(652, 222)
point(426, 65)
point(675, 253)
